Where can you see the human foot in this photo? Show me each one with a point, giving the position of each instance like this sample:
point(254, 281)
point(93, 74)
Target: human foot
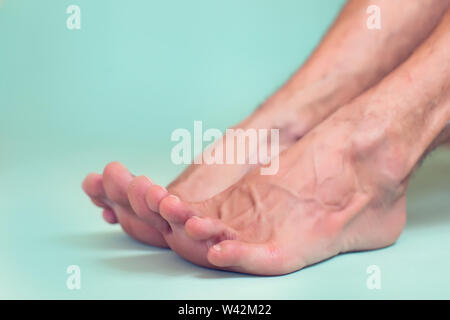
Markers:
point(312, 209)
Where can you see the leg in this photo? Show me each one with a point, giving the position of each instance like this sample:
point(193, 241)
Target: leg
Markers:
point(341, 188)
point(349, 60)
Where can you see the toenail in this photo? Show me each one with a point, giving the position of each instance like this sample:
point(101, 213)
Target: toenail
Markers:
point(217, 247)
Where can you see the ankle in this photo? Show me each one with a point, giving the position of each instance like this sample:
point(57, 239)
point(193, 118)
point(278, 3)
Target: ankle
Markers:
point(394, 136)
point(381, 150)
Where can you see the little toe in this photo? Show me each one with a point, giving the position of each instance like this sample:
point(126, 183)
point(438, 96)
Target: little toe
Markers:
point(116, 179)
point(153, 196)
point(174, 210)
point(136, 195)
point(262, 259)
point(199, 228)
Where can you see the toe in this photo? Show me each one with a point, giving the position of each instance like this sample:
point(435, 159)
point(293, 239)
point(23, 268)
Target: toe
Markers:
point(262, 259)
point(116, 179)
point(199, 228)
point(136, 195)
point(109, 216)
point(154, 194)
point(174, 210)
point(138, 229)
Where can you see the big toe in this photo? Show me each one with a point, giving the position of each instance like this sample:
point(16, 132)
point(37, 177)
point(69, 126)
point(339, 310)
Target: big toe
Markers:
point(174, 210)
point(253, 258)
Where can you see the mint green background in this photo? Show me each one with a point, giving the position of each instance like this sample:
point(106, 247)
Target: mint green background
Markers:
point(71, 101)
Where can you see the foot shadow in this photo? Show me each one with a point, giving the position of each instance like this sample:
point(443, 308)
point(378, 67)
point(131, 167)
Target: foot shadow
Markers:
point(106, 240)
point(155, 260)
point(165, 263)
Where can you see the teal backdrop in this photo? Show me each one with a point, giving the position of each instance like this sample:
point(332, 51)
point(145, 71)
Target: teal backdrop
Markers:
point(73, 100)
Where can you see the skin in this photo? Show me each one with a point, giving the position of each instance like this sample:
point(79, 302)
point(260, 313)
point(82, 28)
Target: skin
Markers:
point(349, 60)
point(315, 208)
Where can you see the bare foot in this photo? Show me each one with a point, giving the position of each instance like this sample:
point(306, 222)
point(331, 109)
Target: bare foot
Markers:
point(198, 182)
point(324, 200)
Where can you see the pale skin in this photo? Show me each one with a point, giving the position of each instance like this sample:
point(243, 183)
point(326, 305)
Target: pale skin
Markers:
point(376, 119)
